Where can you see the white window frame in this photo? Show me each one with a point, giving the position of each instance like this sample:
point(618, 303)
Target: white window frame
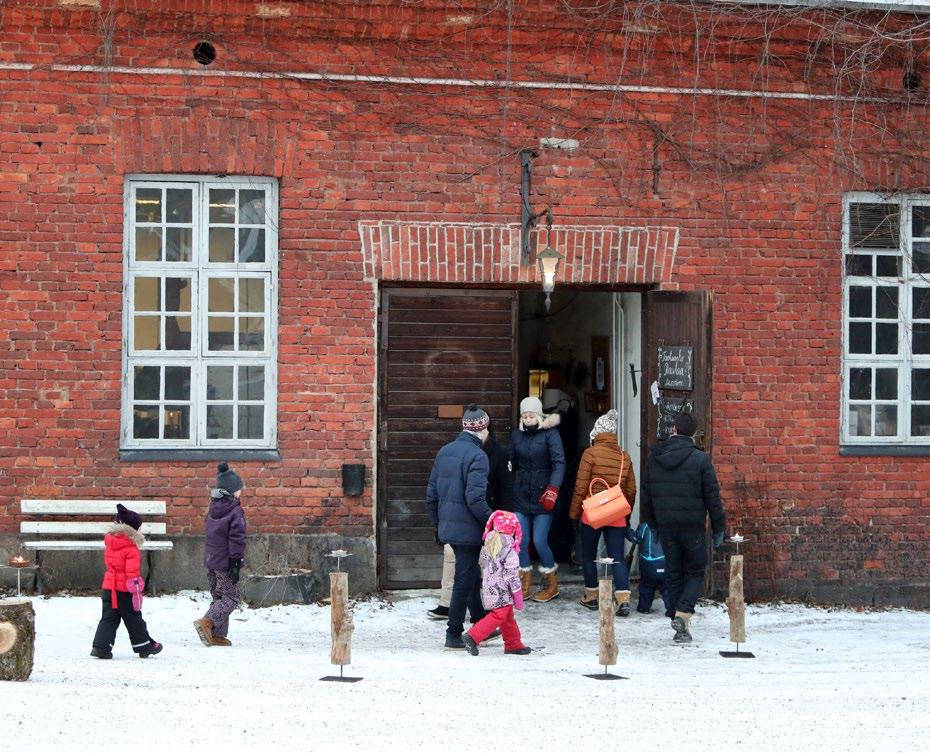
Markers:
point(198, 358)
point(904, 360)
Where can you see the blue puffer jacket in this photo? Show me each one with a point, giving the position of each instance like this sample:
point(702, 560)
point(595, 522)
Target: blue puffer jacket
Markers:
point(538, 461)
point(455, 495)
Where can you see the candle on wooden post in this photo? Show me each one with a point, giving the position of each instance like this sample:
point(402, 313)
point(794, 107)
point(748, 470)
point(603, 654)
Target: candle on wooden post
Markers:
point(736, 605)
point(341, 625)
point(607, 643)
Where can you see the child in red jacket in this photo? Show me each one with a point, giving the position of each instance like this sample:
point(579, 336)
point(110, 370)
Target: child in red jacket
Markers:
point(122, 588)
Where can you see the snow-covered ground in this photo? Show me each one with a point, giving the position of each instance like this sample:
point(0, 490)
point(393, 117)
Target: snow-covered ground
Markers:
point(822, 680)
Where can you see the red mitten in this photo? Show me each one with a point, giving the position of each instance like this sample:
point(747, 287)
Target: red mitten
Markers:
point(549, 497)
point(518, 600)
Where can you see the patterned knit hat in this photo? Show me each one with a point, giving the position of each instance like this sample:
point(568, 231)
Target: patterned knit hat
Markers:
point(605, 423)
point(475, 419)
point(504, 522)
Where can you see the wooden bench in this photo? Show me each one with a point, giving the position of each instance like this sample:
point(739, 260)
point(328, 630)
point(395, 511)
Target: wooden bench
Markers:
point(99, 508)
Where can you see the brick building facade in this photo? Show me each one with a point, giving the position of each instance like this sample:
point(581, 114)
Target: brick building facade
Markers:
point(366, 146)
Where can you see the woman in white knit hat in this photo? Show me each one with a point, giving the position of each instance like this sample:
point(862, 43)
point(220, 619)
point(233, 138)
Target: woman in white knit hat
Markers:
point(539, 464)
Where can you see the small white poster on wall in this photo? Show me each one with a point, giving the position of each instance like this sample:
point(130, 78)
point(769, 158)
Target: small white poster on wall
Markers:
point(654, 389)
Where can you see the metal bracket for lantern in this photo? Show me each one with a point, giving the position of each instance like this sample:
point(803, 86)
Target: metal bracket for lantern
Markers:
point(736, 605)
point(341, 625)
point(607, 649)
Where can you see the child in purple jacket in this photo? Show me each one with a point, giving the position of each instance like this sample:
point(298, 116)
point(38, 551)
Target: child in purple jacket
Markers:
point(223, 555)
point(501, 591)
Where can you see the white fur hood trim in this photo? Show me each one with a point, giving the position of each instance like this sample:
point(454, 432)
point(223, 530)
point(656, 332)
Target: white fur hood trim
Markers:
point(546, 422)
point(121, 529)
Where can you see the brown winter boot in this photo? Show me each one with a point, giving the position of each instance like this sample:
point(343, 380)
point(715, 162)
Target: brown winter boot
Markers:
point(551, 589)
point(622, 600)
point(219, 640)
point(589, 599)
point(204, 628)
point(526, 581)
point(680, 624)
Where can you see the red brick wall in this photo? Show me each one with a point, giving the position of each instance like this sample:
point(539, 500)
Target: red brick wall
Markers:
point(754, 185)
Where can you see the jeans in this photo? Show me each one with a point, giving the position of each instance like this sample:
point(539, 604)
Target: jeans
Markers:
point(536, 528)
point(685, 561)
point(466, 589)
point(614, 539)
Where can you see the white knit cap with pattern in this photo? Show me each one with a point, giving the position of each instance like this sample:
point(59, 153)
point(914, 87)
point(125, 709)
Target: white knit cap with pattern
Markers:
point(605, 423)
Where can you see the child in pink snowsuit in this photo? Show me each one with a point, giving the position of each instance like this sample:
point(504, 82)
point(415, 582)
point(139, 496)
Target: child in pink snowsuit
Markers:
point(501, 591)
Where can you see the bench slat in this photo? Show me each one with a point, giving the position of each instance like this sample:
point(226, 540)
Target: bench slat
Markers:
point(77, 546)
point(90, 506)
point(77, 527)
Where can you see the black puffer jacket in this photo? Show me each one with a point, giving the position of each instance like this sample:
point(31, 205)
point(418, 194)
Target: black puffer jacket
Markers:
point(680, 488)
point(500, 477)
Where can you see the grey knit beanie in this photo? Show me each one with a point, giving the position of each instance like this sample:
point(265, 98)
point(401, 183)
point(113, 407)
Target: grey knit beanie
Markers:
point(228, 479)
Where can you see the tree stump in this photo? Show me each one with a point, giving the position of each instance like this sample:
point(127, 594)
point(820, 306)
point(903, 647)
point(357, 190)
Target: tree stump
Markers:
point(18, 621)
point(341, 626)
point(607, 653)
point(736, 607)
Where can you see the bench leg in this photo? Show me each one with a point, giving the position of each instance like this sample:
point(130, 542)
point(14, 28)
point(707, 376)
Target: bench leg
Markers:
point(150, 583)
point(37, 578)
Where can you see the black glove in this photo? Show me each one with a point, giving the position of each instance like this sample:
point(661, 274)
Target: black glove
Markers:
point(718, 539)
point(235, 565)
point(436, 537)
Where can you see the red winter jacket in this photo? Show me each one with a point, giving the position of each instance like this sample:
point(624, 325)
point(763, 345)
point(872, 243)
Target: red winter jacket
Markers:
point(122, 557)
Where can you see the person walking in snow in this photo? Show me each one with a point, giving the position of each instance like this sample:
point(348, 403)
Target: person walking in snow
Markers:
point(679, 491)
point(122, 588)
point(224, 553)
point(501, 591)
point(605, 460)
point(539, 463)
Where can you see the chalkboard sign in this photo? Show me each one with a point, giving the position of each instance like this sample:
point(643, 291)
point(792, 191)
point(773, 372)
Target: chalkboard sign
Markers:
point(669, 408)
point(676, 368)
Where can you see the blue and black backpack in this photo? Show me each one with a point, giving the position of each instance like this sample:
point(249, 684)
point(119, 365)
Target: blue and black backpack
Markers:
point(651, 556)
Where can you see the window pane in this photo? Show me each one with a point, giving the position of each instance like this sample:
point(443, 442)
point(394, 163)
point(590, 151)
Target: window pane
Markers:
point(222, 245)
point(920, 261)
point(148, 244)
point(223, 205)
point(251, 245)
point(860, 420)
point(886, 339)
point(858, 265)
point(886, 420)
point(887, 266)
point(873, 225)
point(177, 294)
point(148, 293)
point(177, 383)
point(860, 301)
point(178, 204)
point(920, 421)
point(251, 333)
point(145, 384)
point(920, 384)
point(145, 422)
point(251, 207)
point(147, 332)
point(251, 382)
point(921, 301)
point(220, 382)
point(177, 333)
point(860, 337)
point(219, 422)
point(220, 333)
point(886, 384)
point(148, 205)
point(221, 294)
point(251, 294)
point(860, 384)
point(180, 242)
point(177, 422)
point(251, 421)
point(920, 339)
point(886, 303)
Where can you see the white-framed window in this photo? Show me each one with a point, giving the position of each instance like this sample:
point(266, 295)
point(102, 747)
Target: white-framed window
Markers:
point(200, 313)
point(886, 320)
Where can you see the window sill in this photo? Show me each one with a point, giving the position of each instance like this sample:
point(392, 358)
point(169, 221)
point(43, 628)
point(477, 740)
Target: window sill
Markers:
point(911, 451)
point(131, 456)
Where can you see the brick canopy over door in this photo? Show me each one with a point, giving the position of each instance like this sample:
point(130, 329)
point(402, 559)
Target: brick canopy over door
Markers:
point(439, 351)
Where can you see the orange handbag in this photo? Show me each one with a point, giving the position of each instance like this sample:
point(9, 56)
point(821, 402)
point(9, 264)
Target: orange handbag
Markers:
point(606, 508)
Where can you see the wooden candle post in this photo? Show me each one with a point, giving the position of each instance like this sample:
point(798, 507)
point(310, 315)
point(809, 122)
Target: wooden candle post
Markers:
point(341, 625)
point(17, 638)
point(736, 606)
point(607, 648)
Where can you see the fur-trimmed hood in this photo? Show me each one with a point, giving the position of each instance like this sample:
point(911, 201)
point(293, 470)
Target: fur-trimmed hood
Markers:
point(121, 529)
point(545, 422)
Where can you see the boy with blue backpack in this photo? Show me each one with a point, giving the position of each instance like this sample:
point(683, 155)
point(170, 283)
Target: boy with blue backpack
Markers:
point(651, 567)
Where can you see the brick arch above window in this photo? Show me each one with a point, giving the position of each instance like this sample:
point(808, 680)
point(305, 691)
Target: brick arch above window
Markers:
point(450, 252)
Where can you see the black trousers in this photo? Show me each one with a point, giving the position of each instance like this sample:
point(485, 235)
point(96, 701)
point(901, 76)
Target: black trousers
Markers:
point(466, 589)
point(110, 619)
point(685, 562)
